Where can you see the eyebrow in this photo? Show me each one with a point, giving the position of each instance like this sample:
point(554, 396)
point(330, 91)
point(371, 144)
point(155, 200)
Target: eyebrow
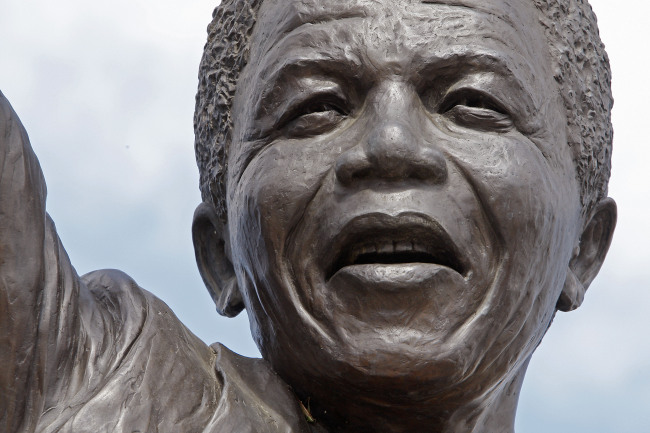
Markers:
point(322, 66)
point(476, 61)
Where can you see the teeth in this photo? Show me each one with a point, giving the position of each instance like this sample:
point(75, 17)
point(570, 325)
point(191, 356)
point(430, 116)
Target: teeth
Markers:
point(386, 248)
point(419, 247)
point(402, 246)
point(365, 249)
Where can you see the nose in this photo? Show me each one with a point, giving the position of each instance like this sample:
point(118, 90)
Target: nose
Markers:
point(394, 152)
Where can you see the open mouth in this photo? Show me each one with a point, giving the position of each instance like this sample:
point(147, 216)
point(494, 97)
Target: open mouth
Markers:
point(385, 240)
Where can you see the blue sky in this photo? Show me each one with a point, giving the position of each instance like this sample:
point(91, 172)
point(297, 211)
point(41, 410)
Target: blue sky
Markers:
point(106, 92)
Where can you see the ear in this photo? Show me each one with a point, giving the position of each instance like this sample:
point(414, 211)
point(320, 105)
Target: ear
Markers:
point(589, 254)
point(212, 251)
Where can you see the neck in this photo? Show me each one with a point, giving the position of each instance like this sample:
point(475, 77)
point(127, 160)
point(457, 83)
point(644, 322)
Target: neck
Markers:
point(492, 412)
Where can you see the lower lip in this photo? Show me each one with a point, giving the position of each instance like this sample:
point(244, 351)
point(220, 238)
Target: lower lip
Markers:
point(395, 277)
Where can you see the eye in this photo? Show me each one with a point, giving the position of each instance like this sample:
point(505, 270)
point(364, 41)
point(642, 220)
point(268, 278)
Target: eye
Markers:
point(314, 116)
point(476, 110)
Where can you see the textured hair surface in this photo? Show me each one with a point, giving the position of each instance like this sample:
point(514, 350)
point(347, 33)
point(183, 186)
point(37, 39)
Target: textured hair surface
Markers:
point(224, 56)
point(581, 70)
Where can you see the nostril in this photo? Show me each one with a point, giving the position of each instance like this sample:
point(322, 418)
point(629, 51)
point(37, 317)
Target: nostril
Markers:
point(352, 164)
point(430, 164)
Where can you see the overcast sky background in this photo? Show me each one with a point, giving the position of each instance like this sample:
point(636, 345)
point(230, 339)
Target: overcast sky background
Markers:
point(106, 92)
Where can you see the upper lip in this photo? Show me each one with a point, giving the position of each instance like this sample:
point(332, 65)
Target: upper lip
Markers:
point(384, 239)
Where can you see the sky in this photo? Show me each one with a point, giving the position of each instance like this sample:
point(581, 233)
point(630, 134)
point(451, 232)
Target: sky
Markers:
point(106, 93)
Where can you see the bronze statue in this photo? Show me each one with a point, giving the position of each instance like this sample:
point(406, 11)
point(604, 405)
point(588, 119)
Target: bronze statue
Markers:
point(400, 193)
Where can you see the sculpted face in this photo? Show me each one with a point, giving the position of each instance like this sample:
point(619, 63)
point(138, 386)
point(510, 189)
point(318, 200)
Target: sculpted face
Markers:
point(402, 203)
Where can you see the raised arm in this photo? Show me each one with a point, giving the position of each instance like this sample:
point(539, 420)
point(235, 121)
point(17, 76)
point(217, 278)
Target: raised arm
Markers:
point(84, 354)
point(39, 290)
point(22, 270)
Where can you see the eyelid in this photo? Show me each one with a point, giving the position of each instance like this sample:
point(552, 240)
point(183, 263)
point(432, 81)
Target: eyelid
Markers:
point(312, 124)
point(464, 96)
point(480, 118)
point(293, 107)
point(476, 109)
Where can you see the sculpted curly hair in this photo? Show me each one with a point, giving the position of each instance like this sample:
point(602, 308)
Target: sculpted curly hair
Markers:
point(581, 70)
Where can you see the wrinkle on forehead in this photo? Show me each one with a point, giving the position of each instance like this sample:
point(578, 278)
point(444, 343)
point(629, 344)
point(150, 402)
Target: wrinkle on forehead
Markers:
point(281, 17)
point(510, 11)
point(506, 21)
point(284, 16)
point(402, 32)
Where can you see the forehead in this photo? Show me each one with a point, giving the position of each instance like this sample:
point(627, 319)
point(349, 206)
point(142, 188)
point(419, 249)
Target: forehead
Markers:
point(406, 23)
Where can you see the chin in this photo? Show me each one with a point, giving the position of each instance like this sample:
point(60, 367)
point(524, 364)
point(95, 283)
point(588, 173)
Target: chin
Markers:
point(375, 370)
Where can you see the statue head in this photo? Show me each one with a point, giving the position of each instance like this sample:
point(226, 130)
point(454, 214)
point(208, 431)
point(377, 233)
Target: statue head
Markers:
point(402, 193)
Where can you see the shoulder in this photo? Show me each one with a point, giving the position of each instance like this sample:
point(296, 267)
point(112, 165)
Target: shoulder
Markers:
point(117, 291)
point(135, 315)
point(158, 376)
point(145, 370)
point(135, 310)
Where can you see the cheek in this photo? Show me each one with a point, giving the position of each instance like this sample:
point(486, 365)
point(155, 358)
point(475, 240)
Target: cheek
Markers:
point(265, 206)
point(533, 208)
point(270, 198)
point(530, 203)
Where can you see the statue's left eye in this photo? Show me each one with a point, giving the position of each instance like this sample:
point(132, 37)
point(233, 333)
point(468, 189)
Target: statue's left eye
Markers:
point(477, 110)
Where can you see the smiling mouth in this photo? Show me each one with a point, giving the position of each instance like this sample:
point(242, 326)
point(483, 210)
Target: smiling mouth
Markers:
point(379, 239)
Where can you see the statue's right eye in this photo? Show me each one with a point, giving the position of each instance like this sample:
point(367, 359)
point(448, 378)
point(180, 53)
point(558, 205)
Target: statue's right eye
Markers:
point(314, 116)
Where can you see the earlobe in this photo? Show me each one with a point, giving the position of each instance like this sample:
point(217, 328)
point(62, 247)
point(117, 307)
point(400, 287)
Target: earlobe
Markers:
point(584, 266)
point(572, 294)
point(209, 234)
